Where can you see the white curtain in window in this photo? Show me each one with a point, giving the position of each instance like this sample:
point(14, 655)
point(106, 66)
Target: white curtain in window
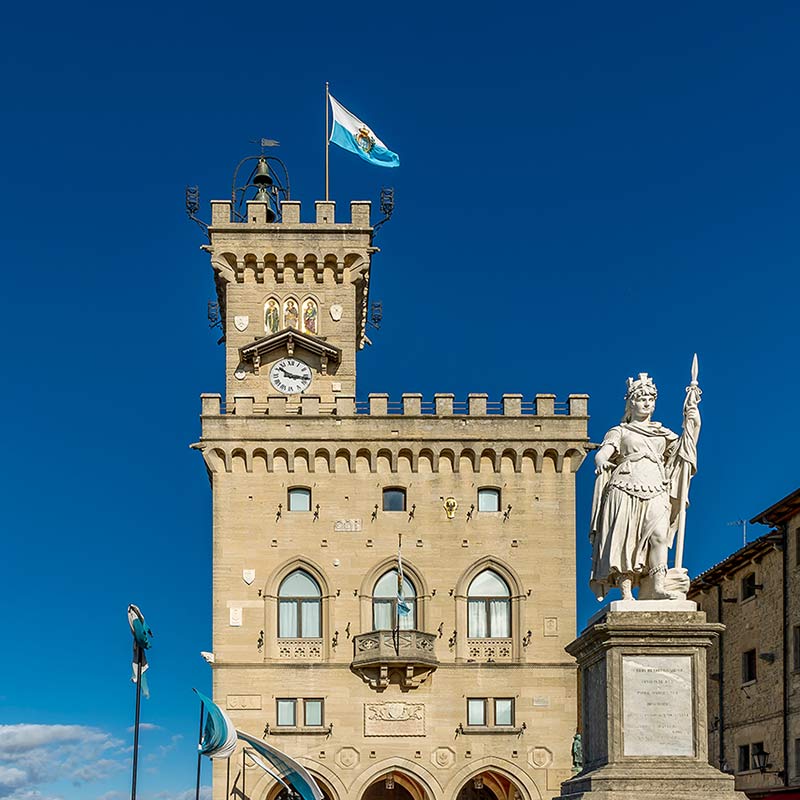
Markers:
point(476, 712)
point(503, 712)
point(286, 712)
point(311, 626)
point(313, 712)
point(499, 619)
point(383, 616)
point(476, 628)
point(287, 621)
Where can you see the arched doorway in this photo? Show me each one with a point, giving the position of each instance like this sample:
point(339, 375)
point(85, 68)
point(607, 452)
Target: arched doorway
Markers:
point(489, 785)
point(395, 786)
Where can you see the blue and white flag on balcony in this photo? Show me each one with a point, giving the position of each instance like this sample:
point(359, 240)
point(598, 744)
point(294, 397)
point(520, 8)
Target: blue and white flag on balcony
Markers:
point(354, 135)
point(403, 608)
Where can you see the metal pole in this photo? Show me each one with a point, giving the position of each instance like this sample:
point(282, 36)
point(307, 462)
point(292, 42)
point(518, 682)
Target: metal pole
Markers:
point(244, 793)
point(327, 136)
point(228, 779)
point(136, 720)
point(199, 754)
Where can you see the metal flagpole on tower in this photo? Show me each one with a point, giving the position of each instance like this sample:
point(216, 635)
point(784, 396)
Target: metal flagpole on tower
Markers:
point(327, 134)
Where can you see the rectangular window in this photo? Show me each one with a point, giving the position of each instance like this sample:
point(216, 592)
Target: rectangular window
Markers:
point(286, 713)
point(744, 758)
point(749, 586)
point(797, 547)
point(299, 499)
point(313, 713)
point(503, 711)
point(755, 749)
point(488, 499)
point(748, 666)
point(476, 711)
point(394, 499)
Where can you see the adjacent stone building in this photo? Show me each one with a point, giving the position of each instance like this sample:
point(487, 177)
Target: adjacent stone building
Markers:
point(457, 688)
point(754, 667)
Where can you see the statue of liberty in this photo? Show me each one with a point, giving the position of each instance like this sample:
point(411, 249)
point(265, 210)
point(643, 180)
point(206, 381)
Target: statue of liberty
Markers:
point(641, 493)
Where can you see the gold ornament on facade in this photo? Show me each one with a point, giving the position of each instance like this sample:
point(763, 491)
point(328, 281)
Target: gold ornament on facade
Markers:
point(450, 507)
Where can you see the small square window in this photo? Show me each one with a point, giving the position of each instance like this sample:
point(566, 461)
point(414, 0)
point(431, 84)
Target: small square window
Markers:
point(394, 499)
point(748, 666)
point(286, 713)
point(299, 499)
point(488, 499)
point(749, 585)
point(313, 712)
point(503, 711)
point(476, 711)
point(744, 758)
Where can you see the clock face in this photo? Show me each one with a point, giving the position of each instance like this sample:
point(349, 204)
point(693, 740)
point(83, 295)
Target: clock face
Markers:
point(290, 376)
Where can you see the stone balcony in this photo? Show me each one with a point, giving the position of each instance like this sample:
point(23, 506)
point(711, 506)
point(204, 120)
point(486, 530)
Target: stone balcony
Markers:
point(405, 657)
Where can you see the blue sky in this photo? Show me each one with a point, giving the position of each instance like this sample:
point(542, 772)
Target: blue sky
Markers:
point(629, 174)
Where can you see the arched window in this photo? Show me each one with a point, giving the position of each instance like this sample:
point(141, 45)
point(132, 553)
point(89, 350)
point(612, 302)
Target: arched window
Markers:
point(385, 613)
point(299, 607)
point(394, 499)
point(489, 607)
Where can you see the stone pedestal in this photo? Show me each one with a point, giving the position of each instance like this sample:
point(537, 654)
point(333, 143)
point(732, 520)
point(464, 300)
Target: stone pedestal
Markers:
point(643, 707)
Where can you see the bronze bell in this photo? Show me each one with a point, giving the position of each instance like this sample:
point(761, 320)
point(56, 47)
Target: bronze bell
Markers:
point(262, 176)
point(262, 196)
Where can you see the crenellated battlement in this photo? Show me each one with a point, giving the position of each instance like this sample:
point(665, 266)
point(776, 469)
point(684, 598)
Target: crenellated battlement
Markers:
point(511, 431)
point(325, 216)
point(411, 405)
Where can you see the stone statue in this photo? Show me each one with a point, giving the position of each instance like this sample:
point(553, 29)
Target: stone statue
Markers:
point(641, 493)
point(577, 753)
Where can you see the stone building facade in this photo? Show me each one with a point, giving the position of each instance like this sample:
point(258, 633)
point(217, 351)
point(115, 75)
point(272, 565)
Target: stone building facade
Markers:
point(459, 689)
point(754, 667)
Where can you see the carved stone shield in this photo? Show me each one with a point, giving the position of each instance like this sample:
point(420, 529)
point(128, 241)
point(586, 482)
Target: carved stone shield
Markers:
point(241, 322)
point(248, 576)
point(336, 312)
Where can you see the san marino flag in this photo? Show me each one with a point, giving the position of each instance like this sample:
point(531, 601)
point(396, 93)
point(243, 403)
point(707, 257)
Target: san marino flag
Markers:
point(352, 134)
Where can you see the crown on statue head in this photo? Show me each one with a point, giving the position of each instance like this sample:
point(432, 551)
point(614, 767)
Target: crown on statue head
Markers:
point(644, 384)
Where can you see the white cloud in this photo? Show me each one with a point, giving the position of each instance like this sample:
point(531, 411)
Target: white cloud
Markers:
point(32, 756)
point(146, 726)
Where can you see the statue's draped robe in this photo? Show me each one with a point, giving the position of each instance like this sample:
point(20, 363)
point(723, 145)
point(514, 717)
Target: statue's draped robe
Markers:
point(640, 496)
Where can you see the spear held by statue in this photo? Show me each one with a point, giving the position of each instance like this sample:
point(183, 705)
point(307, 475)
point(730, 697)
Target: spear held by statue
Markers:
point(687, 453)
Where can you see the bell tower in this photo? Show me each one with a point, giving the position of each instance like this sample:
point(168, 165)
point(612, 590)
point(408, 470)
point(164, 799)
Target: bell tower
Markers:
point(292, 295)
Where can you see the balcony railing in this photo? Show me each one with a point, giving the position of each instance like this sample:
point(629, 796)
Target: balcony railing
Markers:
point(379, 655)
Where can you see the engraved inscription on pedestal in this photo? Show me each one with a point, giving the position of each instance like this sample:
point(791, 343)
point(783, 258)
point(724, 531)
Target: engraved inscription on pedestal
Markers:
point(394, 719)
point(657, 706)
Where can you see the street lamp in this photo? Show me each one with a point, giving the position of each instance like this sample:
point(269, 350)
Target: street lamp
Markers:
point(761, 763)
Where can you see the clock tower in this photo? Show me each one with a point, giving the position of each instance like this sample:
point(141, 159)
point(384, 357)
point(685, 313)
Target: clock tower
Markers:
point(292, 297)
point(393, 582)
